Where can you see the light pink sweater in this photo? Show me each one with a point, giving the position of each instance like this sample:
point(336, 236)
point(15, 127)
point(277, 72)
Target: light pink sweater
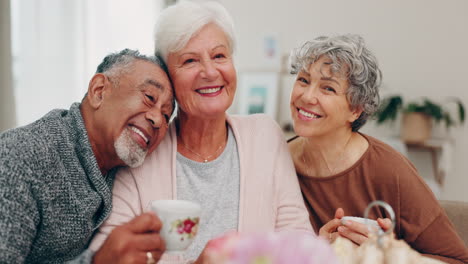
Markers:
point(270, 197)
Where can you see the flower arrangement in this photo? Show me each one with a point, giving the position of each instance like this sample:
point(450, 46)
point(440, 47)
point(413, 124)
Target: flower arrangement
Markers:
point(187, 228)
point(388, 251)
point(270, 248)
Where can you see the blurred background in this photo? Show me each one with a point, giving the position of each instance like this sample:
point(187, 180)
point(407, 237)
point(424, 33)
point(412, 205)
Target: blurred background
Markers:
point(49, 50)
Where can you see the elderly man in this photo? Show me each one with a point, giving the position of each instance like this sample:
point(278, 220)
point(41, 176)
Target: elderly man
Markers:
point(56, 174)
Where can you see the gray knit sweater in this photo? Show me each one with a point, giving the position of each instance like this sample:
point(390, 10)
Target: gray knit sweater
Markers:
point(52, 193)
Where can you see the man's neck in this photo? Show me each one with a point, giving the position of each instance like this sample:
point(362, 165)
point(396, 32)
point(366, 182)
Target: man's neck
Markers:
point(106, 159)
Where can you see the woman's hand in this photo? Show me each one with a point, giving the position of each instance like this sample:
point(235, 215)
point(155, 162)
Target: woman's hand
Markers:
point(329, 230)
point(359, 233)
point(384, 223)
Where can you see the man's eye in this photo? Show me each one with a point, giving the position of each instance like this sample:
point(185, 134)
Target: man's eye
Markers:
point(151, 98)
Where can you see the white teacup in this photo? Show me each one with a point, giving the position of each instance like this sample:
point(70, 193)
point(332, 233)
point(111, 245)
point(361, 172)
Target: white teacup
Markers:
point(180, 223)
point(369, 222)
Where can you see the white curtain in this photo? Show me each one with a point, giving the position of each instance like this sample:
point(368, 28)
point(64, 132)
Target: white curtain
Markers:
point(7, 107)
point(58, 44)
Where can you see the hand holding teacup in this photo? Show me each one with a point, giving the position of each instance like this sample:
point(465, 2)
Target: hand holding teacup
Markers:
point(137, 241)
point(356, 229)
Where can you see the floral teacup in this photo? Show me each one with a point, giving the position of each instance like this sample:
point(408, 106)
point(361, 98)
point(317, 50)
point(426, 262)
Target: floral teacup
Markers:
point(180, 223)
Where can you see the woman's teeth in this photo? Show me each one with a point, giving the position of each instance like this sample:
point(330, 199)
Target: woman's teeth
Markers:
point(136, 130)
point(307, 114)
point(209, 90)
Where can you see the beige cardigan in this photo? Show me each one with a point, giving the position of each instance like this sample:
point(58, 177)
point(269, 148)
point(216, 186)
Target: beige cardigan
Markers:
point(270, 197)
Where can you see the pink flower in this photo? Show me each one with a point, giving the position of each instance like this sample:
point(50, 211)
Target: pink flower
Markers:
point(266, 248)
point(224, 243)
point(180, 229)
point(188, 224)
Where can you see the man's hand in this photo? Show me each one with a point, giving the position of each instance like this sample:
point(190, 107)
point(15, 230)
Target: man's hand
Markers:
point(130, 243)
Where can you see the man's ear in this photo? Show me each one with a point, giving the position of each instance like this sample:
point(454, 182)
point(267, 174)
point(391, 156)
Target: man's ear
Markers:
point(96, 89)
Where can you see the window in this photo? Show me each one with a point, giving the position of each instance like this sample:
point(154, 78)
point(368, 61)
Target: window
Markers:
point(58, 44)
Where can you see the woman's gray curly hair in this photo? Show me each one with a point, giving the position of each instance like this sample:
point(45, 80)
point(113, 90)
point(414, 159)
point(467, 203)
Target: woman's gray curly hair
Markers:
point(349, 55)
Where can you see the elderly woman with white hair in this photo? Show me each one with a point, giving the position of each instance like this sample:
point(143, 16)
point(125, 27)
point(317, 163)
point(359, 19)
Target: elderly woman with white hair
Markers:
point(341, 170)
point(238, 168)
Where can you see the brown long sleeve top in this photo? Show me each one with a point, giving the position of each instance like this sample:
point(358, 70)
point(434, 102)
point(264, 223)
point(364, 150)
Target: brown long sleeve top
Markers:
point(384, 174)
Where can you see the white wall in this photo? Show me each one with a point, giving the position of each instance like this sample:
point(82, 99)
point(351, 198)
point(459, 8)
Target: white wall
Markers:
point(422, 46)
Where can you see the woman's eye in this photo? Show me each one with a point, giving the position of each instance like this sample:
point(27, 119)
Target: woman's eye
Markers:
point(188, 61)
point(220, 56)
point(302, 80)
point(167, 118)
point(329, 89)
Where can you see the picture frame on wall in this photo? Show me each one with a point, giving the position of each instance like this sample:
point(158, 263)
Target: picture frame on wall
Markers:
point(258, 93)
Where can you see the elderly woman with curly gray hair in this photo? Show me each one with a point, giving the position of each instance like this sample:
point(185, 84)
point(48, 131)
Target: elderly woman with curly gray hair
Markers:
point(341, 170)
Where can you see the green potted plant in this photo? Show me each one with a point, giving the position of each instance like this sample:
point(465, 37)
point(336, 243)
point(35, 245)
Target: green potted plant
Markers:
point(418, 116)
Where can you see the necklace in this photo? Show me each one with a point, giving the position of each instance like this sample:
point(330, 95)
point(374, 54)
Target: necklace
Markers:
point(205, 159)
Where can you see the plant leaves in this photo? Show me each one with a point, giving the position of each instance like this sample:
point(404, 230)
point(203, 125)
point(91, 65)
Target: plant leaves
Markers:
point(433, 110)
point(448, 120)
point(461, 111)
point(391, 105)
point(389, 109)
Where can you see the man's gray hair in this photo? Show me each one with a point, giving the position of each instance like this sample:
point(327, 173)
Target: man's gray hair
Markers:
point(349, 55)
point(178, 23)
point(117, 63)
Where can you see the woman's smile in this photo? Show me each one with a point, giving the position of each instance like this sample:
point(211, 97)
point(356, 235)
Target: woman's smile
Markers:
point(307, 115)
point(210, 91)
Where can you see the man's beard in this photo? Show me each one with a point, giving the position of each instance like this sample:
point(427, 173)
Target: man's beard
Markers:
point(128, 150)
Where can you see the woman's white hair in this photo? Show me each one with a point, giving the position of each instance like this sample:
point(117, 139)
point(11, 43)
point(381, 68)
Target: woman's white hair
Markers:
point(178, 23)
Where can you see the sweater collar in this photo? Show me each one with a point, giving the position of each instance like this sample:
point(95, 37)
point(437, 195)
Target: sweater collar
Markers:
point(84, 151)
